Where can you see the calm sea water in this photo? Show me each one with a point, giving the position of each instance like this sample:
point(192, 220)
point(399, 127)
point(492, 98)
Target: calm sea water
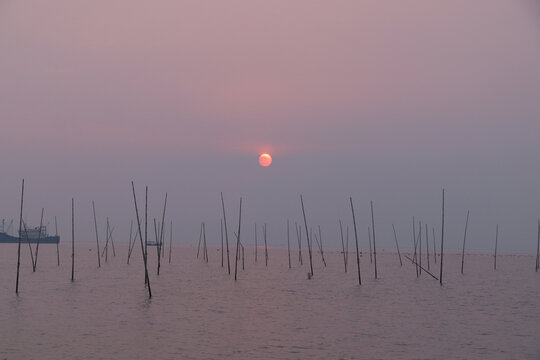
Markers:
point(198, 311)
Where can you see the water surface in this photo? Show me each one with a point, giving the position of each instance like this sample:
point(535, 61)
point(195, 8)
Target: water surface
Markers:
point(198, 311)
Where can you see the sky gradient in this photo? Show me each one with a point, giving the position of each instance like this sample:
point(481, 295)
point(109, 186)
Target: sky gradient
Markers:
point(382, 101)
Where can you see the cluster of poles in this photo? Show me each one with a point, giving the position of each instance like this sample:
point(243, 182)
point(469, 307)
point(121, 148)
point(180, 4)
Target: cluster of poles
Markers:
point(420, 236)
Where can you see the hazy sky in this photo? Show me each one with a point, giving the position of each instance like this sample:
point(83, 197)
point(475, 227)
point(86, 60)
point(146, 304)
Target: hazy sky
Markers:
point(385, 101)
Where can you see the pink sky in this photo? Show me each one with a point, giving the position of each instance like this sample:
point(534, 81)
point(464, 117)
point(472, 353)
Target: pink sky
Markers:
point(363, 82)
point(255, 72)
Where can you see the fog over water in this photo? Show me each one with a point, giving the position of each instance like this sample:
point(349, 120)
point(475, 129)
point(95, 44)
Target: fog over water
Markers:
point(389, 102)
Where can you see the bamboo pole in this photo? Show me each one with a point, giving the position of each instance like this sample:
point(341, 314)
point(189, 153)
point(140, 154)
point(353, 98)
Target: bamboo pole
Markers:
point(464, 237)
point(106, 248)
point(288, 244)
point(496, 241)
point(162, 245)
point(226, 235)
point(442, 239)
point(161, 248)
point(170, 243)
point(38, 239)
point(420, 247)
point(146, 229)
point(370, 250)
point(307, 236)
point(538, 249)
point(347, 246)
point(299, 238)
point(238, 240)
point(112, 241)
point(415, 245)
point(157, 236)
point(205, 250)
point(58, 243)
point(414, 262)
point(434, 246)
point(158, 250)
point(316, 240)
point(343, 246)
point(256, 246)
point(132, 245)
point(146, 278)
point(243, 262)
point(19, 246)
point(130, 236)
point(397, 246)
point(427, 247)
point(265, 246)
point(374, 246)
point(29, 245)
point(221, 227)
point(321, 247)
point(356, 238)
point(72, 239)
point(200, 239)
point(97, 237)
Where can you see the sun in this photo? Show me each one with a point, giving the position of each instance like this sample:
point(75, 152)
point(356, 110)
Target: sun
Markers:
point(265, 160)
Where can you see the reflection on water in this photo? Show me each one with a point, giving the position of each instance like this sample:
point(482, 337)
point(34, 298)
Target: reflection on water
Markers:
point(200, 312)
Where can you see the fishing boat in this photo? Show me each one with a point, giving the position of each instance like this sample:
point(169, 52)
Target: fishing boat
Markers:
point(29, 235)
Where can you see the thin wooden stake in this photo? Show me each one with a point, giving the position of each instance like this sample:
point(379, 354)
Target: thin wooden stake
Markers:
point(288, 244)
point(442, 239)
point(265, 247)
point(226, 235)
point(170, 243)
point(415, 245)
point(427, 247)
point(356, 238)
point(397, 246)
point(29, 245)
point(19, 246)
point(374, 246)
point(146, 278)
point(133, 245)
point(106, 249)
point(347, 246)
point(39, 238)
point(256, 246)
point(414, 262)
point(161, 248)
point(200, 239)
point(97, 237)
point(496, 241)
point(243, 263)
point(58, 243)
point(538, 249)
point(72, 239)
point(420, 249)
point(146, 229)
point(307, 235)
point(299, 238)
point(321, 247)
point(221, 227)
point(112, 241)
point(238, 241)
point(370, 250)
point(130, 235)
point(343, 246)
point(434, 246)
point(205, 248)
point(158, 250)
point(464, 237)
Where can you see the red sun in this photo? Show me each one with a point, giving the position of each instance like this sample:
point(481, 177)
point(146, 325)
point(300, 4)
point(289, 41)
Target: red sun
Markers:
point(265, 160)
